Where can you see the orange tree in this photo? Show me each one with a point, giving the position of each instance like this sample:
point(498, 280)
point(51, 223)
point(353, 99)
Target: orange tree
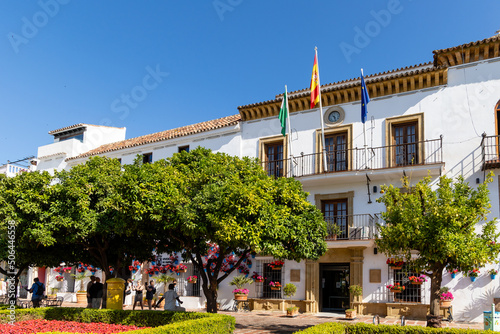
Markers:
point(446, 226)
point(196, 199)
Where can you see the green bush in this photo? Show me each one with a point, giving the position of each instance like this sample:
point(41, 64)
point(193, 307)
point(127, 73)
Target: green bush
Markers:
point(163, 322)
point(360, 328)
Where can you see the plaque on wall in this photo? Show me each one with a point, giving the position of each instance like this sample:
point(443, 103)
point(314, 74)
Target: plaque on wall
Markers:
point(375, 275)
point(295, 275)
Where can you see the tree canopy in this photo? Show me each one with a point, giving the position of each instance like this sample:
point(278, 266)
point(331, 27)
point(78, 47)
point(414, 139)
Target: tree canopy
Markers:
point(203, 198)
point(446, 226)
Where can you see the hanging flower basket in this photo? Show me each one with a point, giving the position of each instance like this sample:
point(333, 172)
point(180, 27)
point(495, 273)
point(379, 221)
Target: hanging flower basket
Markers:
point(59, 278)
point(274, 288)
point(275, 285)
point(396, 288)
point(259, 280)
point(453, 275)
point(395, 264)
point(192, 279)
point(276, 265)
point(417, 280)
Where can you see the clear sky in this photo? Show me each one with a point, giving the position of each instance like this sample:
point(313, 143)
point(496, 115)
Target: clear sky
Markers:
point(151, 66)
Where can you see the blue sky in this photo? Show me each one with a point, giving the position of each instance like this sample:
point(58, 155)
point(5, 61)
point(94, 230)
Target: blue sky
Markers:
point(66, 61)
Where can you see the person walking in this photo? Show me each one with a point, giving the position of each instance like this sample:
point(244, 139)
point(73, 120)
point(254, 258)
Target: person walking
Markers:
point(150, 293)
point(96, 292)
point(36, 290)
point(138, 296)
point(89, 284)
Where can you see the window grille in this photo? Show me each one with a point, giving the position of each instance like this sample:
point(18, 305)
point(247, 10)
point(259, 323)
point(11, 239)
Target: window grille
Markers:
point(263, 290)
point(412, 293)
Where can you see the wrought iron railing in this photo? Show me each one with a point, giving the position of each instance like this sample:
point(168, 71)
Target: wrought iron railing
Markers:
point(490, 151)
point(352, 227)
point(418, 153)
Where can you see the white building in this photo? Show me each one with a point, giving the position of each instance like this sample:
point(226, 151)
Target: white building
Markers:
point(423, 119)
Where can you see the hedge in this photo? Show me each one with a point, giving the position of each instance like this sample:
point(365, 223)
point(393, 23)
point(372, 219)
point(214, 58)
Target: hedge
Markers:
point(161, 321)
point(361, 328)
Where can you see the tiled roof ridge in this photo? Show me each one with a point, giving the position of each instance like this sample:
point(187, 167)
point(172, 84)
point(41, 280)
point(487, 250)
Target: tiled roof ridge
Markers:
point(51, 155)
point(466, 45)
point(424, 67)
point(163, 135)
point(79, 125)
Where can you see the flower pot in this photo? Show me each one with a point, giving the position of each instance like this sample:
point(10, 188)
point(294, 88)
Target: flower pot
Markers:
point(453, 275)
point(276, 268)
point(292, 313)
point(445, 303)
point(473, 279)
point(350, 314)
point(416, 283)
point(396, 290)
point(493, 276)
point(238, 296)
point(81, 297)
point(259, 280)
point(396, 268)
point(192, 281)
point(182, 270)
point(275, 288)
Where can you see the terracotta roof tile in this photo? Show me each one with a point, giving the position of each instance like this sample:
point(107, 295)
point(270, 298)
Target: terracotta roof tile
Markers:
point(76, 126)
point(483, 41)
point(164, 135)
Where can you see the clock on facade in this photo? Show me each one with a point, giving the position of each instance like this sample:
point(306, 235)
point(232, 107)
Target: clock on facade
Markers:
point(334, 115)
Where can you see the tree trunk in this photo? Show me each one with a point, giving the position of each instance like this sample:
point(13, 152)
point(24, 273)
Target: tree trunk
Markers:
point(434, 318)
point(211, 295)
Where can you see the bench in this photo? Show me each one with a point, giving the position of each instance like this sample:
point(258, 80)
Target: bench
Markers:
point(52, 302)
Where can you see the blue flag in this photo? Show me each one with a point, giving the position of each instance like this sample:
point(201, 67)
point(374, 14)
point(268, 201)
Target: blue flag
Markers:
point(365, 99)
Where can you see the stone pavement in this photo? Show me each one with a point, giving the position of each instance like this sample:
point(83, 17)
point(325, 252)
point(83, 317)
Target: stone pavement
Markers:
point(262, 322)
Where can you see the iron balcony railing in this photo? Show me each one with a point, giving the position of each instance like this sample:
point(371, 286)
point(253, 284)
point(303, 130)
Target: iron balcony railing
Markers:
point(490, 151)
point(412, 154)
point(352, 227)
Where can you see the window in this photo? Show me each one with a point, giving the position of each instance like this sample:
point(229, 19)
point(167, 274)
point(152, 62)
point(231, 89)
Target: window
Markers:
point(336, 152)
point(338, 145)
point(405, 141)
point(412, 293)
point(183, 149)
point(272, 154)
point(147, 158)
point(263, 289)
point(335, 213)
point(78, 136)
point(497, 116)
point(404, 138)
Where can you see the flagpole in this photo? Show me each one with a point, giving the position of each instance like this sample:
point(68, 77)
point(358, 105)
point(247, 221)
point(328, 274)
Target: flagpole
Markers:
point(289, 132)
point(321, 114)
point(364, 128)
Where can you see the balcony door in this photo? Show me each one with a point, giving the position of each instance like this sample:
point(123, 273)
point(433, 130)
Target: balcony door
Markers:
point(405, 141)
point(274, 159)
point(335, 213)
point(336, 152)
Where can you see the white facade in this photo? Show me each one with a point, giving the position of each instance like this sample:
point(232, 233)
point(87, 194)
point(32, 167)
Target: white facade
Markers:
point(449, 114)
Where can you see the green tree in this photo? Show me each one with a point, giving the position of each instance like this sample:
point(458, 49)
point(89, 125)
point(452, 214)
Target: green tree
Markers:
point(442, 225)
point(204, 197)
point(90, 208)
point(28, 234)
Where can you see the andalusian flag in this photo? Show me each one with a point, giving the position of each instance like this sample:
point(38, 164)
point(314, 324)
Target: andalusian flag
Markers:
point(284, 113)
point(315, 83)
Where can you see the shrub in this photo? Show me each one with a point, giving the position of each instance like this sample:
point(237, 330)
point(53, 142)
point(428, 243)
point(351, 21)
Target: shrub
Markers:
point(326, 328)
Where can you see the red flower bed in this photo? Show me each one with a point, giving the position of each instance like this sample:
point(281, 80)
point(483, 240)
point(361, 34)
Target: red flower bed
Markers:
point(41, 326)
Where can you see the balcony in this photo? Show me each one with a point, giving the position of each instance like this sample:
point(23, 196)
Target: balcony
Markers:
point(490, 152)
point(352, 227)
point(12, 170)
point(417, 154)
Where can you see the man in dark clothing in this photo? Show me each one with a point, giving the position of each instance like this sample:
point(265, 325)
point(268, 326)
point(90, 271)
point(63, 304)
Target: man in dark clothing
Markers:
point(96, 292)
point(150, 293)
point(89, 285)
point(37, 290)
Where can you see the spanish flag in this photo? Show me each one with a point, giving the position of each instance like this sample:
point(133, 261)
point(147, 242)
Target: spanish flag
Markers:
point(315, 83)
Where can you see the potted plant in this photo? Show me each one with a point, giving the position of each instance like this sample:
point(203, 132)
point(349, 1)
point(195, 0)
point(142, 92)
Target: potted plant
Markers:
point(257, 278)
point(81, 295)
point(239, 282)
point(446, 297)
point(192, 279)
point(289, 291)
point(473, 274)
point(396, 288)
point(275, 285)
point(453, 272)
point(334, 230)
point(59, 278)
point(493, 273)
point(355, 291)
point(418, 280)
point(276, 265)
point(181, 268)
point(395, 263)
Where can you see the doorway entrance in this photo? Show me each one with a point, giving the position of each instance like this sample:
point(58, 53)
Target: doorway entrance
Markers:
point(334, 287)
